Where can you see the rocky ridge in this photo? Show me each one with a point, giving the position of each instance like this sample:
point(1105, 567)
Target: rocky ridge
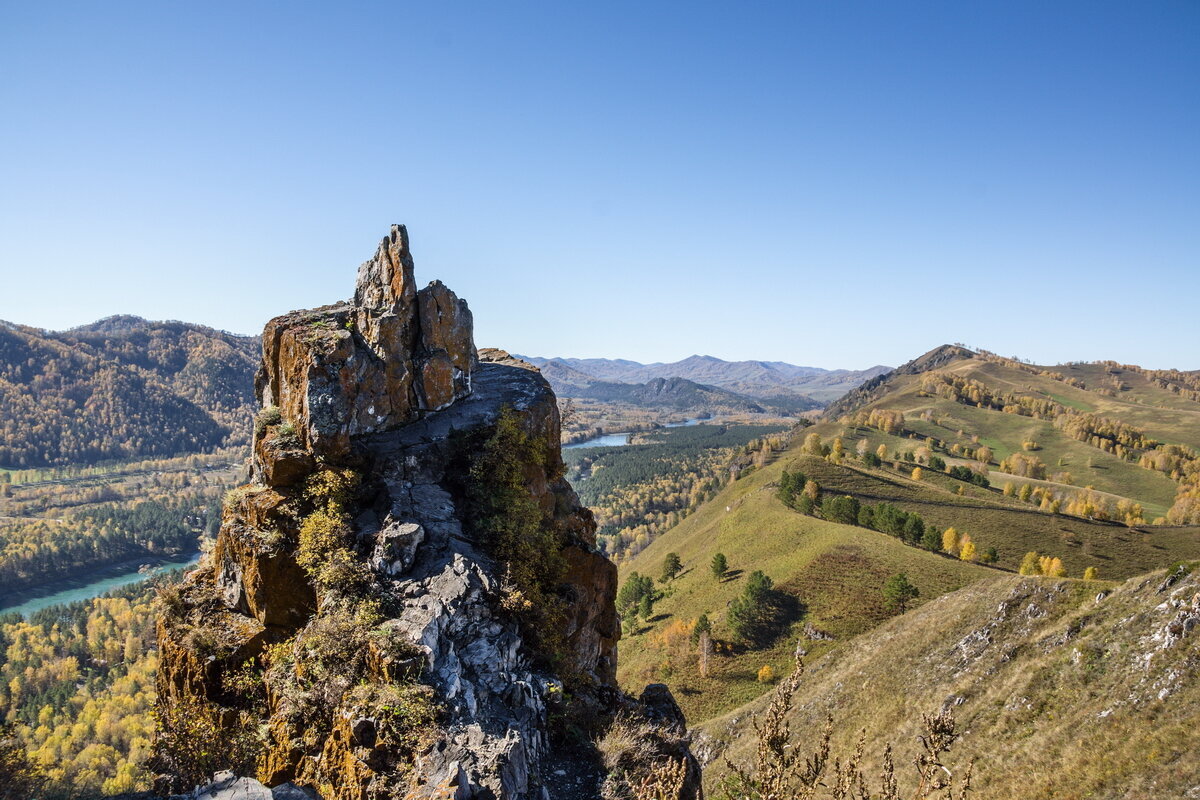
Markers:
point(353, 609)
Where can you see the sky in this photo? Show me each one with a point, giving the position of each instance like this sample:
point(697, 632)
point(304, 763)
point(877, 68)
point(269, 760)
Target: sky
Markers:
point(829, 184)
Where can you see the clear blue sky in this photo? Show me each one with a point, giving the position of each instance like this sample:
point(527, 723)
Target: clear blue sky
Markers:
point(827, 183)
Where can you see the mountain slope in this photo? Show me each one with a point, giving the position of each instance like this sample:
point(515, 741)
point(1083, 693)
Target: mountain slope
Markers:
point(1062, 689)
point(121, 388)
point(1130, 434)
point(833, 573)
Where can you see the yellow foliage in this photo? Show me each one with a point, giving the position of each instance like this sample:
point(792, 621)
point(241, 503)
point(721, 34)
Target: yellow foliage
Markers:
point(766, 674)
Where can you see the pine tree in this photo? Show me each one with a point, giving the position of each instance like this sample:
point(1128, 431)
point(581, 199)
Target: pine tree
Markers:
point(1031, 564)
point(719, 566)
point(898, 592)
point(1091, 574)
point(670, 568)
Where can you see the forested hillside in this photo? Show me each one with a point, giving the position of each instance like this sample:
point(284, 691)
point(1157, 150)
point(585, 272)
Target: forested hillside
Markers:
point(77, 687)
point(1103, 441)
point(119, 389)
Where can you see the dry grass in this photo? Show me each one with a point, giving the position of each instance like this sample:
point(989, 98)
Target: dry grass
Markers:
point(1058, 694)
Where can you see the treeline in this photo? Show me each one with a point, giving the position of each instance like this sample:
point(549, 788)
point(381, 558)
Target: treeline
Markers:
point(147, 389)
point(77, 685)
point(33, 550)
point(798, 492)
point(639, 491)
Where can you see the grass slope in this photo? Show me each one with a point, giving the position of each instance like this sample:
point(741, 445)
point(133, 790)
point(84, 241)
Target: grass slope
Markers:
point(1011, 526)
point(1060, 691)
point(836, 572)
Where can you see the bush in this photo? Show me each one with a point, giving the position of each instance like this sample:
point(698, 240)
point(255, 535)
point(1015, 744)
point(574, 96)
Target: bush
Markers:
point(268, 416)
point(503, 515)
point(766, 674)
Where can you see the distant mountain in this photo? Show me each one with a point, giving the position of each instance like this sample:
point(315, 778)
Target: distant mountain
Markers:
point(675, 393)
point(123, 387)
point(770, 381)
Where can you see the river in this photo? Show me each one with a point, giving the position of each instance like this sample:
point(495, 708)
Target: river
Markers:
point(70, 590)
point(622, 439)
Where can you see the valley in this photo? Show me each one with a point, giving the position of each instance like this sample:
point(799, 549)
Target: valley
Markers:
point(1088, 467)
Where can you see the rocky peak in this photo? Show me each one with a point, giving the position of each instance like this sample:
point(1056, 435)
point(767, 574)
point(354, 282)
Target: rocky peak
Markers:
point(372, 562)
point(373, 364)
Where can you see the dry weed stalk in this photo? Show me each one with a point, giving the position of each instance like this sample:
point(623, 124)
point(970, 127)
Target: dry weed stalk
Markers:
point(780, 772)
point(664, 782)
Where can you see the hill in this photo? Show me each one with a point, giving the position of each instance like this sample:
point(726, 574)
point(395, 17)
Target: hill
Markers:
point(872, 492)
point(121, 388)
point(830, 576)
point(678, 394)
point(772, 381)
point(1062, 688)
point(1132, 435)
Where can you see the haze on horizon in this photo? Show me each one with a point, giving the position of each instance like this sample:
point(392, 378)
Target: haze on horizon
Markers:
point(823, 185)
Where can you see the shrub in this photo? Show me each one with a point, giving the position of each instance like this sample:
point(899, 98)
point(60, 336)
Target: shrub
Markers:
point(268, 416)
point(503, 515)
point(766, 674)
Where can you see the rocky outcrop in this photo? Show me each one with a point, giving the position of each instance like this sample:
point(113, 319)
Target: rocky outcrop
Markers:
point(366, 618)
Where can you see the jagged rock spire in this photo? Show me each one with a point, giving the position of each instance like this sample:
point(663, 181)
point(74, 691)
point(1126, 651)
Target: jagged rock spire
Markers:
point(373, 364)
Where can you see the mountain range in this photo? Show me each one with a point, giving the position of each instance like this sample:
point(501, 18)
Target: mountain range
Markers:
point(775, 382)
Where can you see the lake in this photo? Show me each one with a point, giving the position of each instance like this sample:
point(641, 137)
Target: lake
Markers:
point(101, 581)
point(622, 439)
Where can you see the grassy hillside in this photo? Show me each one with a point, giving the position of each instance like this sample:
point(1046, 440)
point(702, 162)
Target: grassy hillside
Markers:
point(1062, 689)
point(1128, 433)
point(833, 573)
point(1011, 526)
point(1113, 453)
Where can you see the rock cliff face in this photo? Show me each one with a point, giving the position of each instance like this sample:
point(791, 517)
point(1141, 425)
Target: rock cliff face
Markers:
point(358, 610)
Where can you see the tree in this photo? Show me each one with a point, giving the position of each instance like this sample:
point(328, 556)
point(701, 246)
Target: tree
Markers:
point(1091, 574)
point(719, 566)
point(646, 607)
point(881, 451)
point(631, 593)
point(990, 556)
point(670, 568)
point(1055, 568)
point(950, 541)
point(766, 674)
point(967, 553)
point(917, 474)
point(898, 592)
point(705, 652)
point(701, 627)
point(931, 539)
point(754, 614)
point(813, 446)
point(19, 776)
point(1031, 564)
